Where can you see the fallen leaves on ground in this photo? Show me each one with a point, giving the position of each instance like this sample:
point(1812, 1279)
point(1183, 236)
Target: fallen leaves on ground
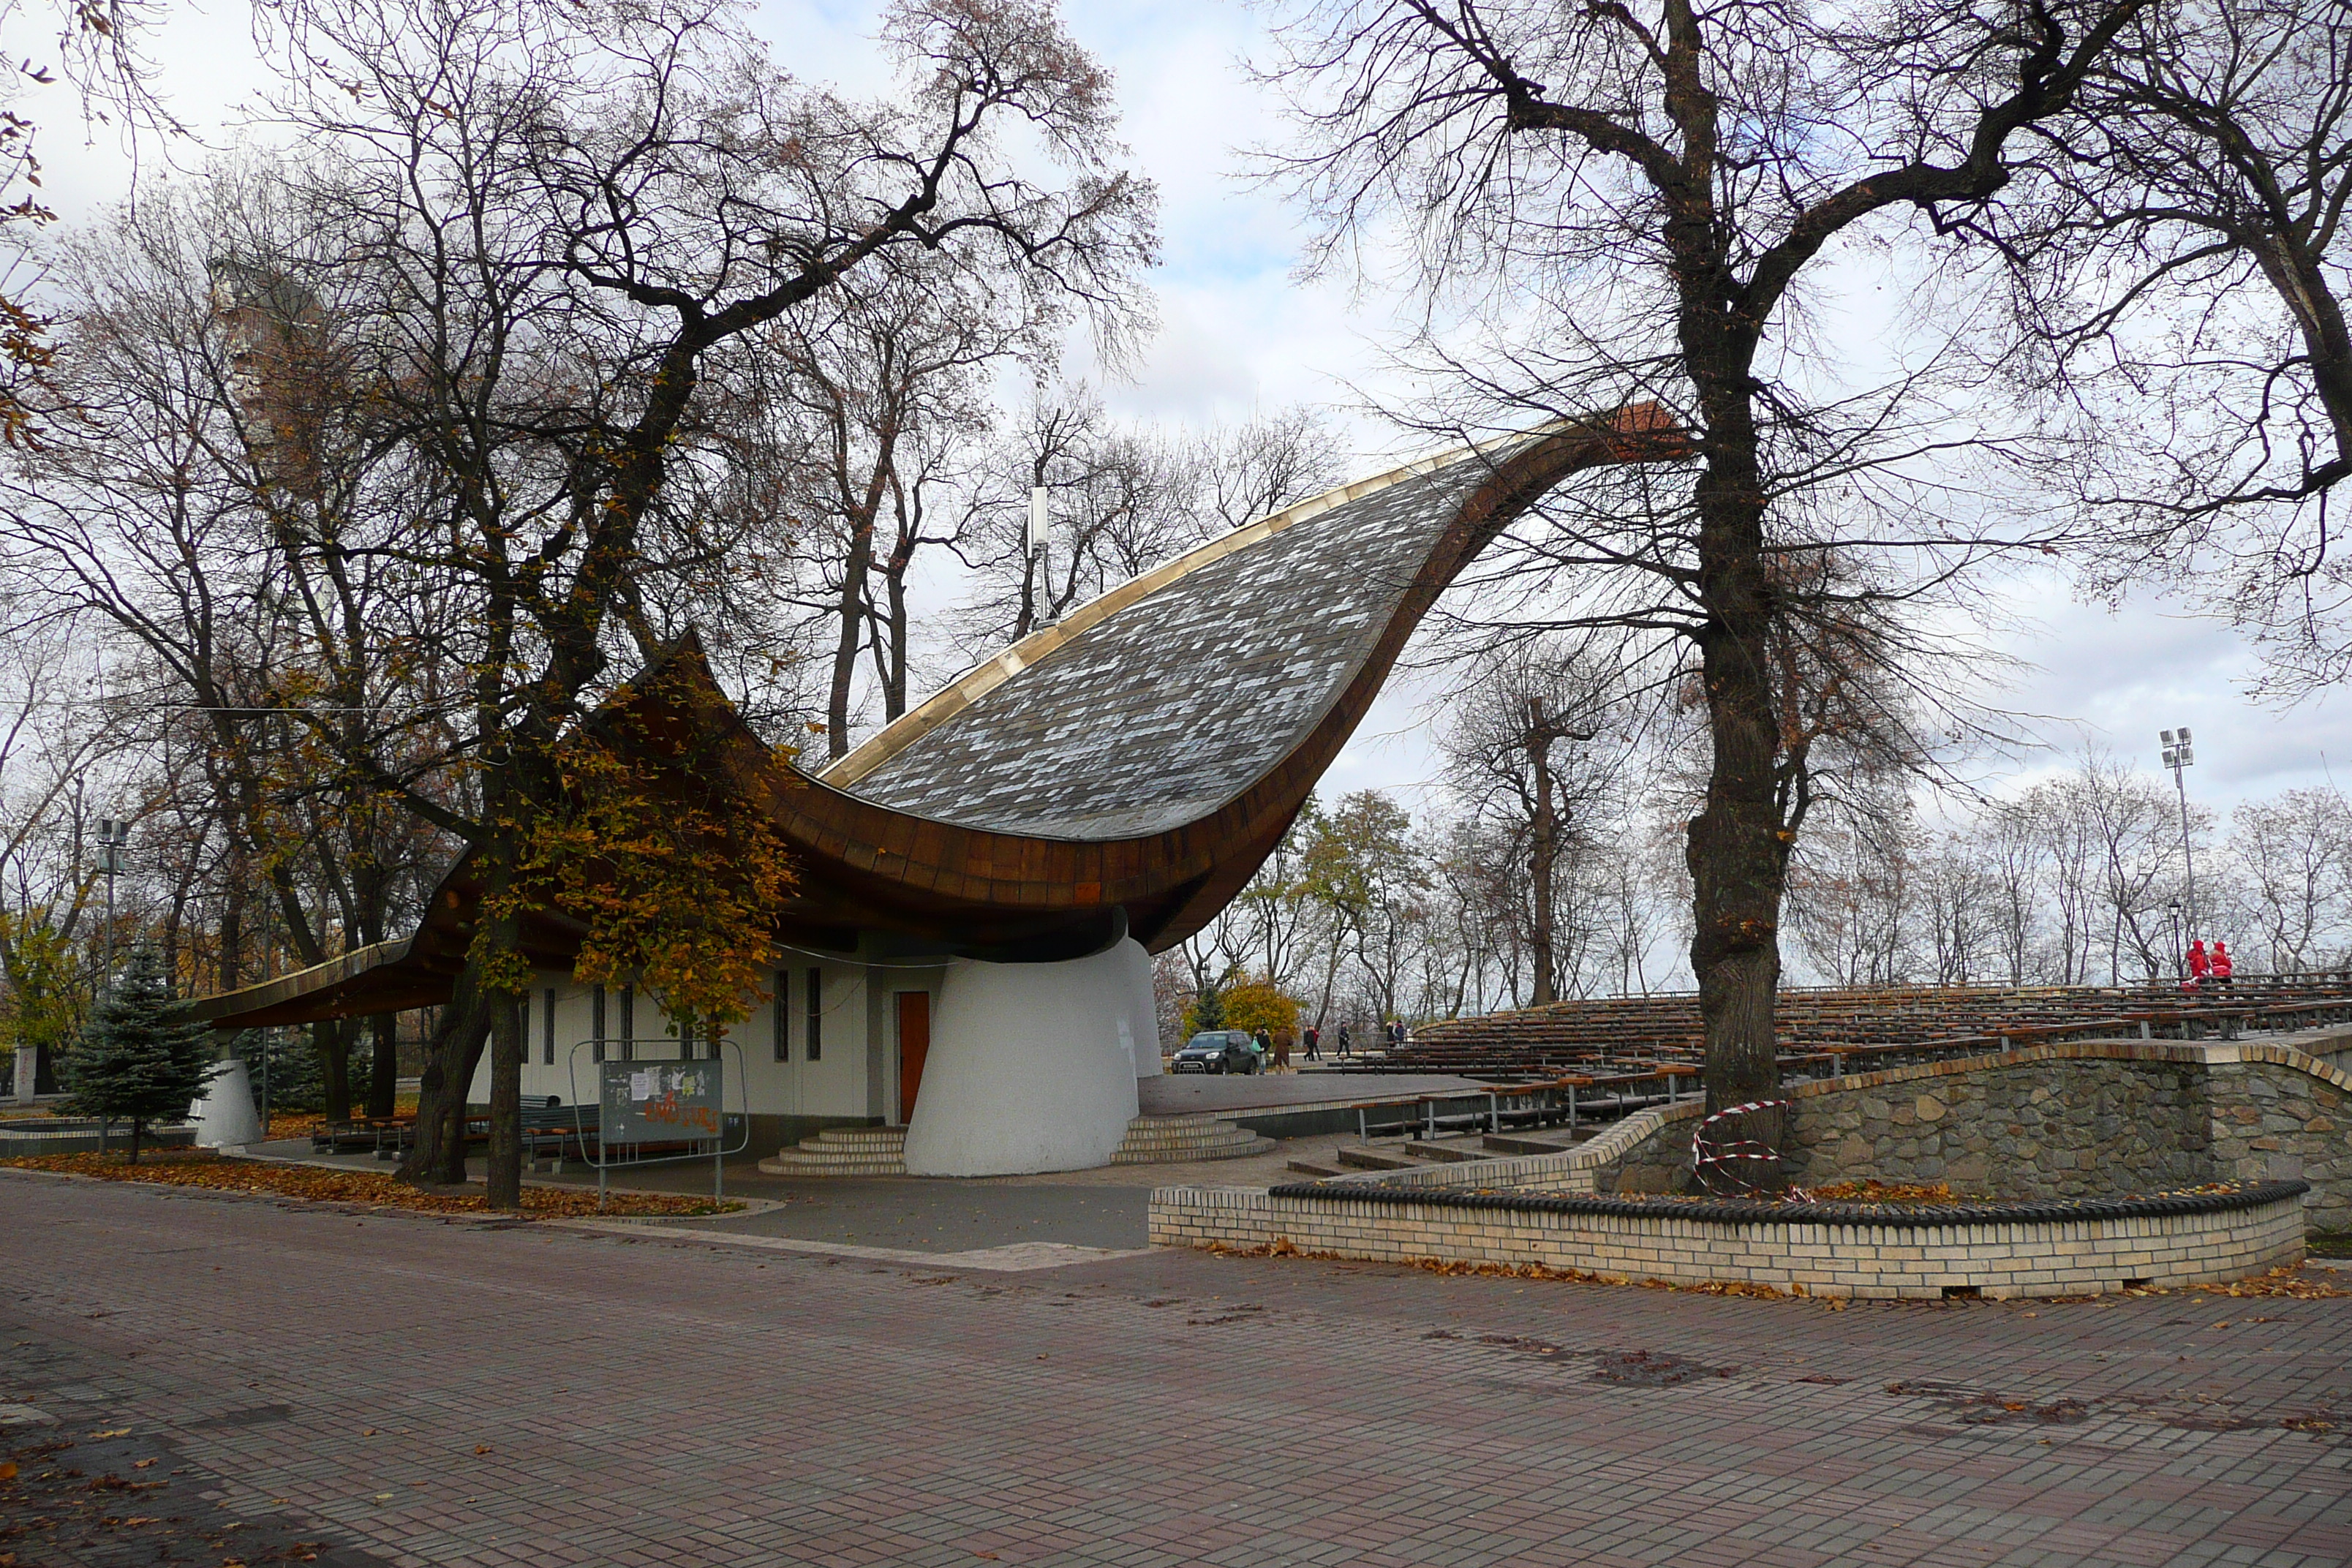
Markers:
point(203, 1168)
point(2297, 1282)
point(1873, 1191)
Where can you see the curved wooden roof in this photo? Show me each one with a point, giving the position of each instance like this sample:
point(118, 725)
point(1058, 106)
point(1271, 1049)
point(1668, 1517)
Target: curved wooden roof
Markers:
point(1124, 771)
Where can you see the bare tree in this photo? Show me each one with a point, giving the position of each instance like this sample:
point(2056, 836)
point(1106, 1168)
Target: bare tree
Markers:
point(883, 399)
point(1521, 750)
point(2177, 262)
point(2290, 859)
point(1121, 499)
point(1654, 183)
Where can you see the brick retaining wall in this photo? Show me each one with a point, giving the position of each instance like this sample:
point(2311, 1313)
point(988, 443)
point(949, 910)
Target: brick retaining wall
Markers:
point(2022, 1250)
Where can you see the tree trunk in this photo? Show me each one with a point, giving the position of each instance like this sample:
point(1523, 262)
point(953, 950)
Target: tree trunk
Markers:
point(383, 1063)
point(850, 612)
point(1739, 844)
point(138, 1125)
point(1545, 857)
point(894, 687)
point(506, 1102)
point(450, 1058)
point(330, 1038)
point(231, 930)
point(500, 945)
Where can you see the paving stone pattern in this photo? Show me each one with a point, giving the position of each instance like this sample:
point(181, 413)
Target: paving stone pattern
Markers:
point(656, 1402)
point(1177, 703)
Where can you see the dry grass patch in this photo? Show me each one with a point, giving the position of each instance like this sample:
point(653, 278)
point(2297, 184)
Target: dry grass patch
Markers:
point(317, 1184)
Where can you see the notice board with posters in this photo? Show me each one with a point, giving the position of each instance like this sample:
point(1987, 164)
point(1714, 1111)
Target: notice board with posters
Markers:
point(661, 1102)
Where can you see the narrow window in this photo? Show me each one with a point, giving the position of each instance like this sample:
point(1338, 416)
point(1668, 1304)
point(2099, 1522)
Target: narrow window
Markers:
point(629, 1023)
point(596, 1021)
point(783, 1014)
point(547, 1048)
point(815, 1015)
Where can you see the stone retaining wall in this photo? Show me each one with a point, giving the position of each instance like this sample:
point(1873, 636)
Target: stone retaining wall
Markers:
point(2085, 1119)
point(2021, 1250)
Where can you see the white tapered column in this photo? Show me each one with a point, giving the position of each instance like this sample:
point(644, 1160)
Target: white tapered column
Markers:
point(1032, 1066)
point(224, 1117)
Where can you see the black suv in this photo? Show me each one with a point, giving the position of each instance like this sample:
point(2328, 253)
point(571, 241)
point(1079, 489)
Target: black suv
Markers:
point(1218, 1051)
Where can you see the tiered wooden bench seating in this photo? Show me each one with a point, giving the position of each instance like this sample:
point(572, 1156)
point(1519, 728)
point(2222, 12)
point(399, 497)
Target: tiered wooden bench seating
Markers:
point(1621, 1040)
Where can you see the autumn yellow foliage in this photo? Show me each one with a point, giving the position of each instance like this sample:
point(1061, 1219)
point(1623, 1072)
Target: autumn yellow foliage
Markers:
point(1255, 1005)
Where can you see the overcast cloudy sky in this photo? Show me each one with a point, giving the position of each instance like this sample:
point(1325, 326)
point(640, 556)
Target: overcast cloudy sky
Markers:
point(1239, 331)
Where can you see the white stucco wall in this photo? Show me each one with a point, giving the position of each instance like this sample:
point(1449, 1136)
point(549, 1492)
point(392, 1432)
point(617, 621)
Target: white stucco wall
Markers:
point(834, 1085)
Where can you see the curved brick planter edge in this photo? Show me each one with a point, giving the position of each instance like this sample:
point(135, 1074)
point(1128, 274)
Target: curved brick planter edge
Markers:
point(1890, 1216)
point(2071, 1247)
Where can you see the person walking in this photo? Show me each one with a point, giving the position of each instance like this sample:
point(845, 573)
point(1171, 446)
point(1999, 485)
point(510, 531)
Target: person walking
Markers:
point(1314, 1042)
point(1343, 1039)
point(2200, 966)
point(2223, 966)
point(1283, 1040)
point(1264, 1044)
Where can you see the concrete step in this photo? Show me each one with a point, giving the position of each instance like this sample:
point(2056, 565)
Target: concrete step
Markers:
point(1444, 1154)
point(1162, 1140)
point(1309, 1168)
point(1372, 1159)
point(1524, 1143)
point(843, 1152)
point(786, 1163)
point(881, 1151)
point(857, 1138)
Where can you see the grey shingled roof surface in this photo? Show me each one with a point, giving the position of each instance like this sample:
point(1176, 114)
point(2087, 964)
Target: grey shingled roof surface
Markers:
point(1178, 702)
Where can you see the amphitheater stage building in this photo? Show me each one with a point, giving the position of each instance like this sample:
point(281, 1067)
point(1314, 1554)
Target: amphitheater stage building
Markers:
point(965, 962)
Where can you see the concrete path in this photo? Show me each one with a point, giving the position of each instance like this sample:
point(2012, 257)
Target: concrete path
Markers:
point(404, 1391)
point(1099, 1208)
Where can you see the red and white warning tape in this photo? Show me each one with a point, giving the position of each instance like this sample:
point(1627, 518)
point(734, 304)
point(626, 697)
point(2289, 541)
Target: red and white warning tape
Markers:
point(1711, 1158)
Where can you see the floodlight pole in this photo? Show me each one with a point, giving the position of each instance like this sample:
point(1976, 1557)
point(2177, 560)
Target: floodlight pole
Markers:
point(2176, 756)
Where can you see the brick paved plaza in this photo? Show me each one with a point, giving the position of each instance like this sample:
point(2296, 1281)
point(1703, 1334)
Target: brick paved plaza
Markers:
point(540, 1395)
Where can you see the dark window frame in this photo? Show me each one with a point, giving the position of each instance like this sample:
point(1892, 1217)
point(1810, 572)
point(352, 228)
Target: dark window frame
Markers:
point(815, 1013)
point(783, 1015)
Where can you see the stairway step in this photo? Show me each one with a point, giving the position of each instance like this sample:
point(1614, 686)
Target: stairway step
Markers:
point(1309, 1168)
point(1187, 1140)
point(1444, 1154)
point(850, 1137)
point(778, 1166)
point(1371, 1160)
point(1513, 1143)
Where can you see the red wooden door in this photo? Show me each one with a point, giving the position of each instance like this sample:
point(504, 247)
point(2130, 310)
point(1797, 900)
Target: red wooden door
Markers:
point(914, 1045)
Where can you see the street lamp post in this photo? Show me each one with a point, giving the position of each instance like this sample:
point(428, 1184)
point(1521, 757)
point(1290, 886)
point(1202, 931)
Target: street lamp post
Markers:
point(2179, 970)
point(2176, 756)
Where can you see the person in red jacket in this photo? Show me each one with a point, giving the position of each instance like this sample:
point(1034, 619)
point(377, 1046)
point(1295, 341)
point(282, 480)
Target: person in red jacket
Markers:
point(2223, 967)
point(2200, 966)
